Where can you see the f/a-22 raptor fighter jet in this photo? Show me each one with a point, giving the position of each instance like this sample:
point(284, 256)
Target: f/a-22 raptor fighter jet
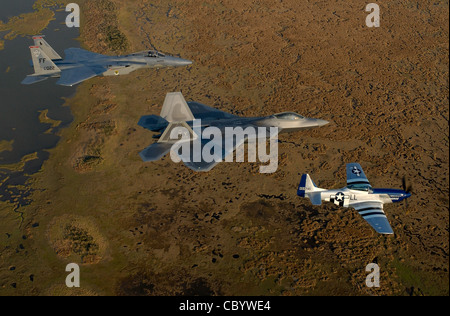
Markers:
point(196, 118)
point(80, 65)
point(359, 195)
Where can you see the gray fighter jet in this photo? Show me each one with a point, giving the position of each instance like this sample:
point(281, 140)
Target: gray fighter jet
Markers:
point(194, 118)
point(80, 65)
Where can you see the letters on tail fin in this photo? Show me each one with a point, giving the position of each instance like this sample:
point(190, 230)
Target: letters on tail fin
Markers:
point(43, 65)
point(307, 188)
point(175, 108)
point(46, 48)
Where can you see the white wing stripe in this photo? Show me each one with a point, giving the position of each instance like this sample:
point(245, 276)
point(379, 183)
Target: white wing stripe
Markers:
point(374, 216)
point(372, 211)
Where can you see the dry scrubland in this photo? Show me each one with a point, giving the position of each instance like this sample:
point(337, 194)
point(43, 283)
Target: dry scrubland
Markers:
point(160, 229)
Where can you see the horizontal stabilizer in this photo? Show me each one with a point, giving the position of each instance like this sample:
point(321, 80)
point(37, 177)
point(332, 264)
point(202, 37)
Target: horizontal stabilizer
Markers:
point(154, 123)
point(155, 151)
point(33, 79)
point(315, 197)
point(201, 166)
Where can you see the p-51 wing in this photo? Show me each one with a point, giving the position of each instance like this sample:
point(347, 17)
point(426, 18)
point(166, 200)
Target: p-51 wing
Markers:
point(356, 175)
point(372, 212)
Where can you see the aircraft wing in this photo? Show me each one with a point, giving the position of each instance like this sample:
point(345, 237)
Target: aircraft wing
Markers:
point(190, 153)
point(372, 212)
point(201, 111)
point(217, 149)
point(356, 175)
point(155, 152)
point(78, 54)
point(73, 76)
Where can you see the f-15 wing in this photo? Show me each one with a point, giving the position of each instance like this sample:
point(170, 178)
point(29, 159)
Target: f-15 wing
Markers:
point(372, 212)
point(79, 55)
point(73, 76)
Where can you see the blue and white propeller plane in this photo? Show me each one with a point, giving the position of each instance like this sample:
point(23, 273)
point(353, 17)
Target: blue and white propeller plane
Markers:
point(359, 195)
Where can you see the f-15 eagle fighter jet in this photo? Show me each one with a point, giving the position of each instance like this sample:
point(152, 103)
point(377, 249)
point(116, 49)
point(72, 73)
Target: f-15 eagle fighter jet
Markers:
point(359, 195)
point(80, 65)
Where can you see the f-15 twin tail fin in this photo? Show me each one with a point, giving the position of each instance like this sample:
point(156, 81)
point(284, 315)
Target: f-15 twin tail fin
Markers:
point(46, 48)
point(44, 67)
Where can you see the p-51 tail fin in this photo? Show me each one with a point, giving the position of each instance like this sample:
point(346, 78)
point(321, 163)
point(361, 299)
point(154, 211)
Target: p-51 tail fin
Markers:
point(46, 48)
point(307, 188)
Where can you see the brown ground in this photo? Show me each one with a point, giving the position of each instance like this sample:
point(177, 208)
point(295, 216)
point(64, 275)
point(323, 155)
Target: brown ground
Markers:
point(161, 229)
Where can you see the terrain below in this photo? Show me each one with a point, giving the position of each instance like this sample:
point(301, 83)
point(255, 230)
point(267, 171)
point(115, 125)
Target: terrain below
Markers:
point(161, 229)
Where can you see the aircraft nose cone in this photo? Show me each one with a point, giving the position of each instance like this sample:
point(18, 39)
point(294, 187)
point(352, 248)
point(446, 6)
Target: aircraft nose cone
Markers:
point(182, 62)
point(321, 122)
point(408, 195)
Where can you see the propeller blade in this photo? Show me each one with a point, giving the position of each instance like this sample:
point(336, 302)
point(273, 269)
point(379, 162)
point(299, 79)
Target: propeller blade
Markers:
point(404, 184)
point(405, 187)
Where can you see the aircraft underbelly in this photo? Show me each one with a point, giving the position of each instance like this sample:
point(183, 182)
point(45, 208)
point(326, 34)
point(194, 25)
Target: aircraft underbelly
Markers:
point(292, 129)
point(119, 71)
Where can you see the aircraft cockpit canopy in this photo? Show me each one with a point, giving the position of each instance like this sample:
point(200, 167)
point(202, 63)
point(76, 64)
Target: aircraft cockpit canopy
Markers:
point(149, 53)
point(155, 54)
point(360, 187)
point(291, 116)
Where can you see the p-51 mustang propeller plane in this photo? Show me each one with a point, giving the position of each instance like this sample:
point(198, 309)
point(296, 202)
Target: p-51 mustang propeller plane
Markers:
point(359, 195)
point(80, 65)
